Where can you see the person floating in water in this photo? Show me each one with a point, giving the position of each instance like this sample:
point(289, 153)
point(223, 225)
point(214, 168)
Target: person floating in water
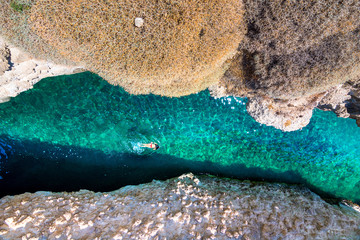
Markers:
point(151, 145)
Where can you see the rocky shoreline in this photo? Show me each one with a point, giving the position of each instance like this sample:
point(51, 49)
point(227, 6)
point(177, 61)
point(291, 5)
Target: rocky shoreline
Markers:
point(286, 57)
point(187, 207)
point(19, 71)
point(294, 114)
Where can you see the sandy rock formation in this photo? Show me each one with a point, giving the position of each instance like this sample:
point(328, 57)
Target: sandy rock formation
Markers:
point(187, 207)
point(181, 47)
point(19, 71)
point(344, 101)
point(295, 51)
point(288, 115)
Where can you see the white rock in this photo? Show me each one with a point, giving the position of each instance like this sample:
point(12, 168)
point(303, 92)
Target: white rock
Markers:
point(288, 115)
point(17, 56)
point(139, 22)
point(26, 71)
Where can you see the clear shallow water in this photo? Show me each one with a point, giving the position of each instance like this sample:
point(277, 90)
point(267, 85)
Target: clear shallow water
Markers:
point(77, 131)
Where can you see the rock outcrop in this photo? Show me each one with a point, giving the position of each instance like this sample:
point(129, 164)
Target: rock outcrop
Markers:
point(344, 101)
point(296, 49)
point(288, 115)
point(181, 47)
point(187, 207)
point(19, 71)
point(293, 53)
point(294, 114)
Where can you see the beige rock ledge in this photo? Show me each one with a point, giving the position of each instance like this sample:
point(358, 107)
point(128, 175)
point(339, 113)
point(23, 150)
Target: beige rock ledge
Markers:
point(19, 71)
point(290, 115)
point(187, 207)
point(294, 114)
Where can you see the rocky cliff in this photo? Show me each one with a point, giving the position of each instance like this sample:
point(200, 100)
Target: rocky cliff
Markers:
point(187, 207)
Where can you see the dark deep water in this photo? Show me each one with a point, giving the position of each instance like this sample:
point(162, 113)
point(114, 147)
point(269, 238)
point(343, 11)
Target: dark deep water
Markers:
point(78, 132)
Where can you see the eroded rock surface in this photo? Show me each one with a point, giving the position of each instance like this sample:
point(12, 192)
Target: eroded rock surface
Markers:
point(285, 115)
point(187, 207)
point(296, 49)
point(344, 101)
point(19, 71)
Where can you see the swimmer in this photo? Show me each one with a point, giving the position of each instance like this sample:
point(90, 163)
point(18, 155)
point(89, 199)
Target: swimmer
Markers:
point(151, 145)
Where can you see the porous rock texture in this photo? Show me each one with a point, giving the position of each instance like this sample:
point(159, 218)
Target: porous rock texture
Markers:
point(344, 101)
point(294, 114)
point(180, 48)
point(295, 51)
point(187, 207)
point(19, 71)
point(285, 115)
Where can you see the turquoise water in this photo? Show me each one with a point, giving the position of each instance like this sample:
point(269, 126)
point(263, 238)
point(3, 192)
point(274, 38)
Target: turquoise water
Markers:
point(81, 114)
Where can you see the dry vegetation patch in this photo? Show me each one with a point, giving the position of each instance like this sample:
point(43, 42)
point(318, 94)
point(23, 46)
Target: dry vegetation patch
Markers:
point(180, 49)
point(296, 48)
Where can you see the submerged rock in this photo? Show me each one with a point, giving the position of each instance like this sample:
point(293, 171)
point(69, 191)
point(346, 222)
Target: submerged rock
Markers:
point(187, 207)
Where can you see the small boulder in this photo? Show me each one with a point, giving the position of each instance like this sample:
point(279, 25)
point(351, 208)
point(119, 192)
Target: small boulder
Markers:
point(139, 22)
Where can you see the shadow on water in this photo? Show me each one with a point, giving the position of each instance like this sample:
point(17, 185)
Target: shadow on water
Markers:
point(78, 131)
point(57, 168)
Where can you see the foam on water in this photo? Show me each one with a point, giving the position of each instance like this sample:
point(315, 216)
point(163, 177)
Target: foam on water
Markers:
point(84, 112)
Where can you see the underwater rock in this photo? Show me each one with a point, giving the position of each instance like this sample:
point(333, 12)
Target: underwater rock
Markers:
point(187, 207)
point(20, 71)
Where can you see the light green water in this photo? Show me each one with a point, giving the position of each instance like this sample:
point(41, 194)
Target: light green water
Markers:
point(84, 111)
